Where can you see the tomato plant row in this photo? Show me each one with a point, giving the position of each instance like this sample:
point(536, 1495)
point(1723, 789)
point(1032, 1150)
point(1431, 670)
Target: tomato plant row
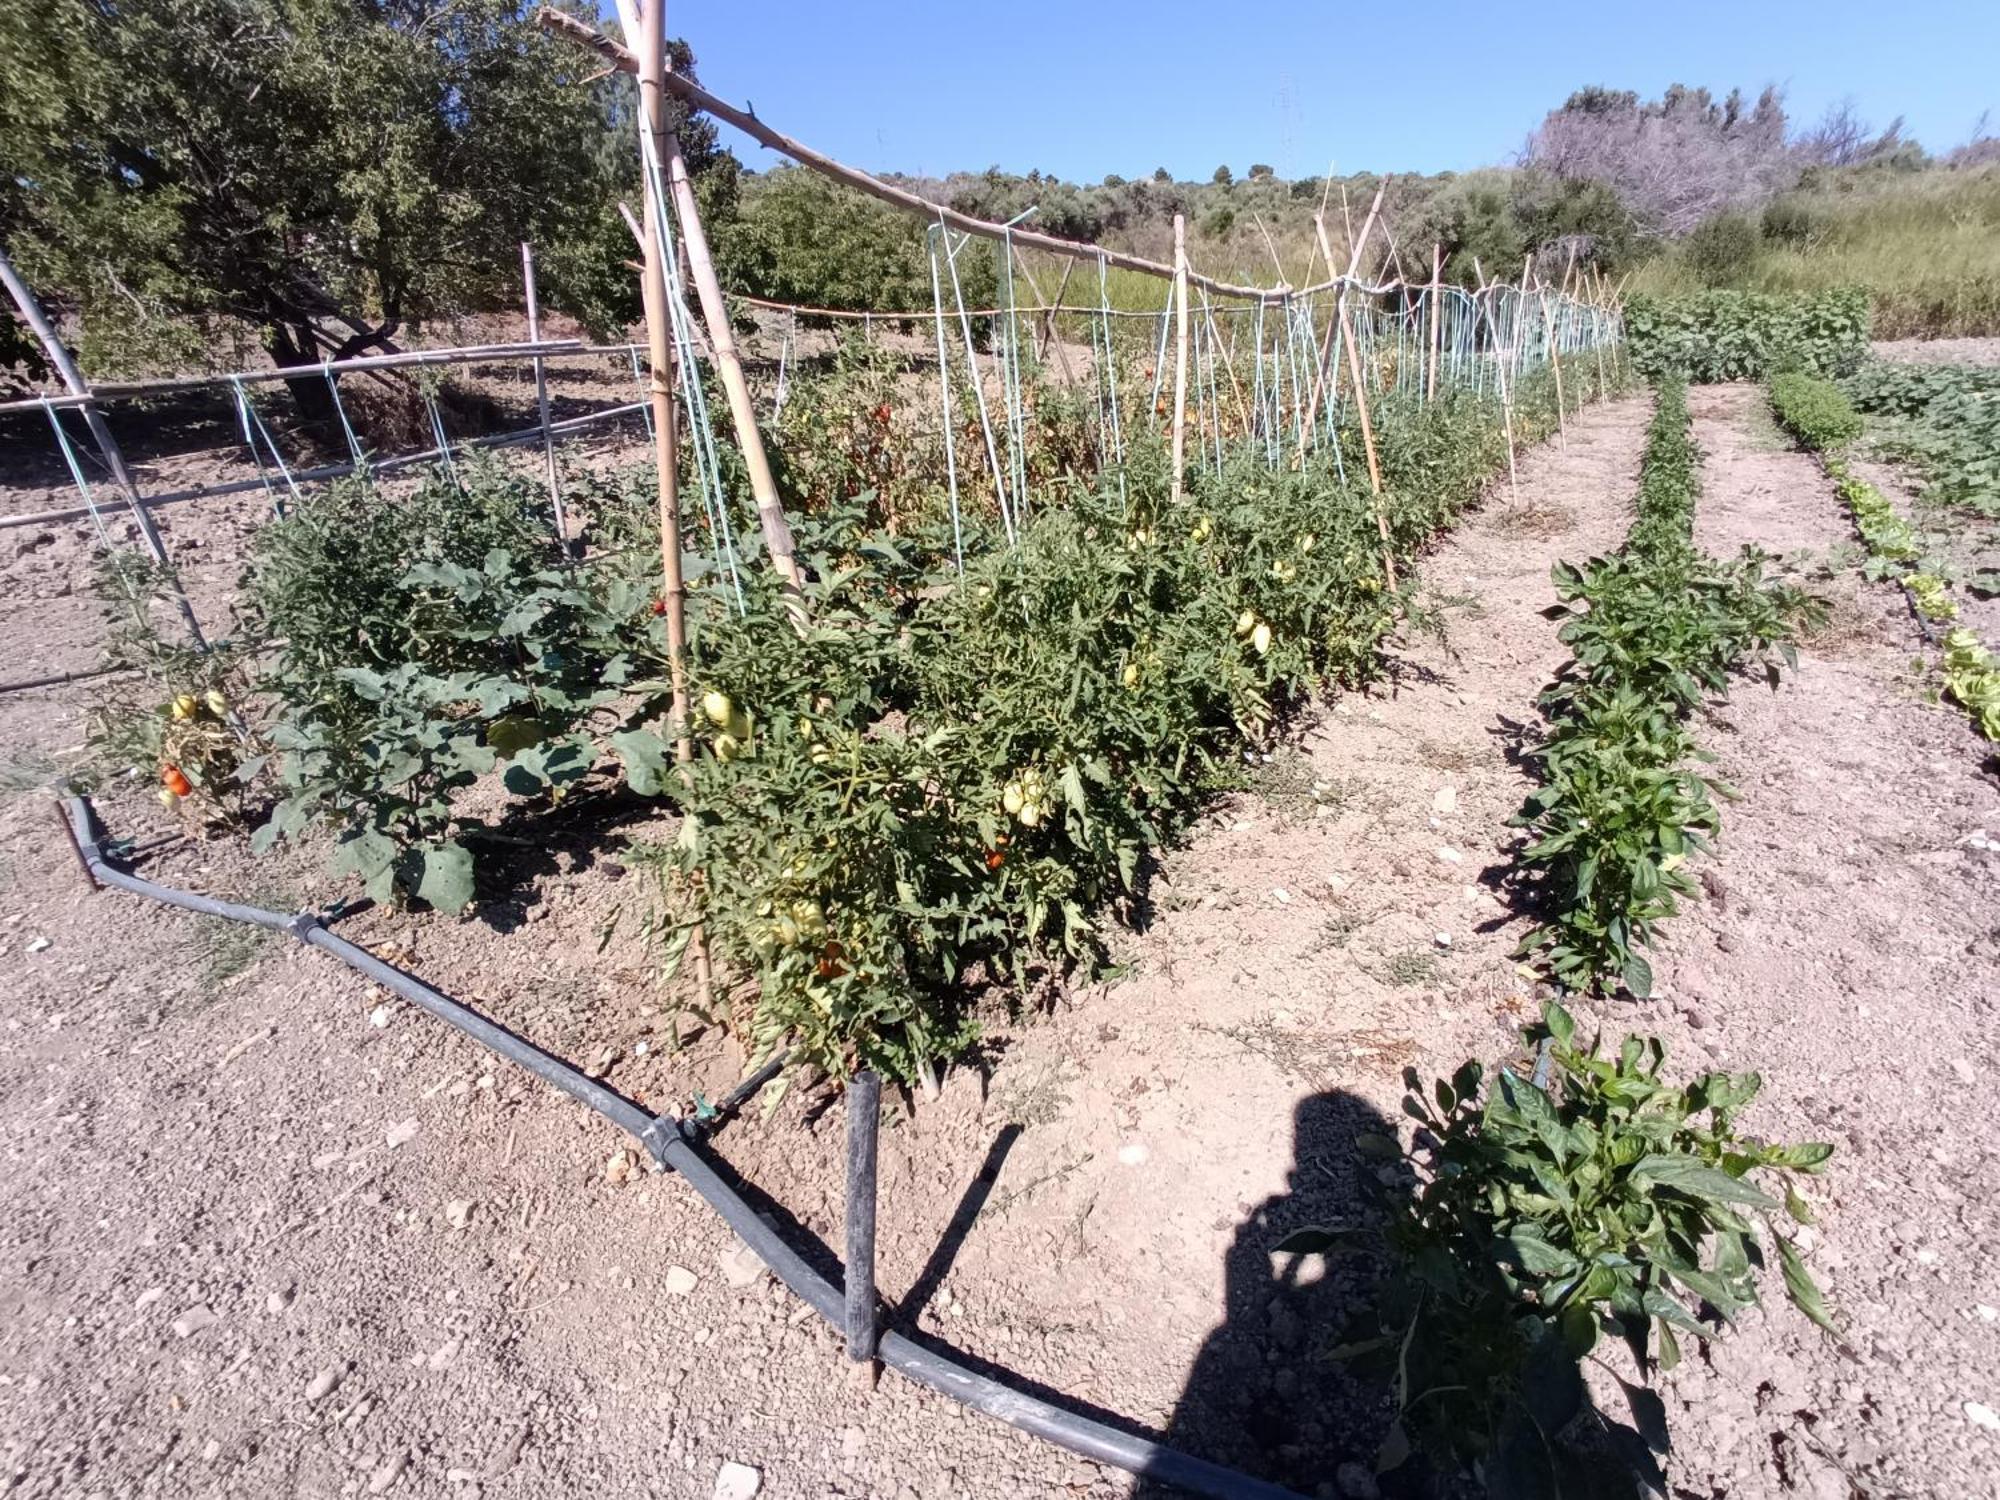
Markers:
point(943, 784)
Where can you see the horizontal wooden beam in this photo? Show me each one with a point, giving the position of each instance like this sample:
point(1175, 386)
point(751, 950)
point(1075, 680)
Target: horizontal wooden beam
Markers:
point(564, 24)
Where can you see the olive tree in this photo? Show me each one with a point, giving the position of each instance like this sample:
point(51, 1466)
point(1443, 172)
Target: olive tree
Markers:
point(316, 175)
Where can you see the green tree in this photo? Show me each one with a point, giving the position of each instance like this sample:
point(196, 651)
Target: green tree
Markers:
point(318, 173)
point(1223, 176)
point(801, 238)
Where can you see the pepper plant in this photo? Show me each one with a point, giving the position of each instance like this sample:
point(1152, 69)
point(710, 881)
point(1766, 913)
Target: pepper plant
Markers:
point(1593, 1199)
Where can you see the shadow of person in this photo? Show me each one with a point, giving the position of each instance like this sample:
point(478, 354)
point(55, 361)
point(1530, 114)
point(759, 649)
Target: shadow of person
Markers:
point(1262, 1395)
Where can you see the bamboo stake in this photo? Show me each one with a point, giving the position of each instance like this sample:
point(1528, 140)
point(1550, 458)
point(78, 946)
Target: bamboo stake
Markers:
point(1180, 352)
point(1555, 364)
point(1319, 391)
point(654, 79)
point(1437, 315)
point(542, 394)
point(1049, 319)
point(100, 434)
point(1361, 401)
point(1506, 401)
point(666, 438)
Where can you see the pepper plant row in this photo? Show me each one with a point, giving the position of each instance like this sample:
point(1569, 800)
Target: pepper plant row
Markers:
point(1819, 415)
point(1655, 629)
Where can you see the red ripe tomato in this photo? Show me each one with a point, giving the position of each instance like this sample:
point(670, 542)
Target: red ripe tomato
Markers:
point(882, 414)
point(659, 606)
point(174, 779)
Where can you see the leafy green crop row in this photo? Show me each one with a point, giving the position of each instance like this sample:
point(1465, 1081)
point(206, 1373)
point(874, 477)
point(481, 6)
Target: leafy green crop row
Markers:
point(1895, 547)
point(1813, 410)
point(1654, 629)
point(944, 783)
point(1943, 418)
point(1724, 335)
point(1605, 1202)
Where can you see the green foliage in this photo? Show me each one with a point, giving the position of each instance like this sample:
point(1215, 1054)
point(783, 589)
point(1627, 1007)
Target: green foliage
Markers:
point(1654, 629)
point(1720, 247)
point(1896, 550)
point(1726, 335)
point(1925, 246)
point(806, 240)
point(413, 644)
point(1815, 411)
point(318, 171)
point(1606, 1201)
point(1972, 677)
point(1943, 418)
point(949, 780)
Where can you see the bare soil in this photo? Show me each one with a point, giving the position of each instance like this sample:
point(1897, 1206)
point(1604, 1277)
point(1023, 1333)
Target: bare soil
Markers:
point(1984, 351)
point(240, 1259)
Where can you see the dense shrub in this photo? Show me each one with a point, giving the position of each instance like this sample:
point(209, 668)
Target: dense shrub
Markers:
point(1721, 247)
point(1726, 335)
point(1814, 411)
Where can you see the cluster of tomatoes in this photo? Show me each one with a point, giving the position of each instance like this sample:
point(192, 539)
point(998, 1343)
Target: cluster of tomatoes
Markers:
point(191, 712)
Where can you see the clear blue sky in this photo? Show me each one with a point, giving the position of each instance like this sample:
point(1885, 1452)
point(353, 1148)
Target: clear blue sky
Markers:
point(1085, 87)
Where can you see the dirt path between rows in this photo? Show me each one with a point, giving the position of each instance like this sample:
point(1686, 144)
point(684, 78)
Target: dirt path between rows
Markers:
point(265, 1234)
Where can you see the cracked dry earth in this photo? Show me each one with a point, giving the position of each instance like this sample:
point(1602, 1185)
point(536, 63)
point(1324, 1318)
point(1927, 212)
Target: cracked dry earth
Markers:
point(263, 1234)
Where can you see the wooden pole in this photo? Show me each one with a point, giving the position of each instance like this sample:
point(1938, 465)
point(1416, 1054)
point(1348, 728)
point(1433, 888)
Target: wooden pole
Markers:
point(1555, 364)
point(1360, 386)
point(542, 394)
point(622, 59)
point(666, 444)
point(653, 82)
point(1320, 390)
point(1437, 316)
point(1180, 352)
point(1506, 401)
point(100, 434)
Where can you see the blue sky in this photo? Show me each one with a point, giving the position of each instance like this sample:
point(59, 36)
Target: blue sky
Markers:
point(1086, 87)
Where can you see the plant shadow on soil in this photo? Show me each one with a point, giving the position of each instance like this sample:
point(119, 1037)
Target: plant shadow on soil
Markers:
point(1262, 1395)
point(1267, 1395)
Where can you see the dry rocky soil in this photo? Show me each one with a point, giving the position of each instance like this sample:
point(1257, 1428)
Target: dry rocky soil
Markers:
point(264, 1232)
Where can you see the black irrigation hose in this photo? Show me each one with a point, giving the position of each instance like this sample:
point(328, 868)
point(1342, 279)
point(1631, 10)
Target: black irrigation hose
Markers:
point(676, 1145)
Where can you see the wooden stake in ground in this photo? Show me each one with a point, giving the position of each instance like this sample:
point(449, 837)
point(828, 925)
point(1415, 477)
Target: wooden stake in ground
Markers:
point(1180, 353)
point(1500, 373)
point(1361, 402)
point(1555, 364)
point(714, 311)
point(1437, 317)
point(1320, 391)
point(100, 434)
point(666, 439)
point(542, 394)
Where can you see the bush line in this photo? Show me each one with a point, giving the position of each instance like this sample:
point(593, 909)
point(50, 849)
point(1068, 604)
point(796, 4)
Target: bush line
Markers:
point(1726, 335)
point(1654, 629)
point(1820, 417)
